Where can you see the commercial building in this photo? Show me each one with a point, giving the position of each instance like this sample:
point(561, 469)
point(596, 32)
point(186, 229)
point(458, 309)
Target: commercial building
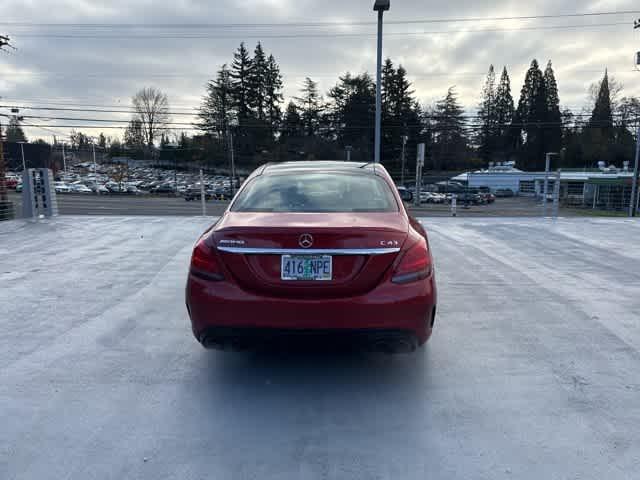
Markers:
point(603, 188)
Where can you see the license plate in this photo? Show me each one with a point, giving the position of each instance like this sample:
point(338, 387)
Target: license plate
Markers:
point(308, 268)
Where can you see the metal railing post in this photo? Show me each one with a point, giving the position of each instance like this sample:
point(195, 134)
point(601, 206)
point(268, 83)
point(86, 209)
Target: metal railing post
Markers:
point(203, 200)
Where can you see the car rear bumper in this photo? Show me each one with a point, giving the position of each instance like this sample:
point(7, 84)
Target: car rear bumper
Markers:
point(222, 314)
point(375, 340)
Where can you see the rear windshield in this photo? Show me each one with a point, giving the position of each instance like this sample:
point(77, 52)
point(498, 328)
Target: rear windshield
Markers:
point(316, 193)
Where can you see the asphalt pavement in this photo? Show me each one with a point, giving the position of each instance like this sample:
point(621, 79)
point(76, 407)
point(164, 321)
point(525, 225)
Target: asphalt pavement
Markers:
point(533, 371)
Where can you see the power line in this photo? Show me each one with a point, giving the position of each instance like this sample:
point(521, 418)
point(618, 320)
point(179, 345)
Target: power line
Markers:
point(46, 102)
point(316, 24)
point(85, 110)
point(97, 120)
point(313, 35)
point(54, 132)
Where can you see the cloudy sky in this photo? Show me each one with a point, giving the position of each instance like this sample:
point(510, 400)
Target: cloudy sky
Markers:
point(83, 52)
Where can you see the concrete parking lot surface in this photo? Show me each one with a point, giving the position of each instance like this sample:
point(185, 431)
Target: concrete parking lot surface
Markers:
point(533, 371)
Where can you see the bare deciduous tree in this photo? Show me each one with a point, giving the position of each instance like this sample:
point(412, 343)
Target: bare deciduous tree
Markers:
point(152, 111)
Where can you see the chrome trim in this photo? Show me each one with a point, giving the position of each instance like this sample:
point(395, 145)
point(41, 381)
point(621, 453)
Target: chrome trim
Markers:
point(309, 251)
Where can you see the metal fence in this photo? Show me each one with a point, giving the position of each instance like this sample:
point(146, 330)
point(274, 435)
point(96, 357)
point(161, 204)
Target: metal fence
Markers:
point(150, 189)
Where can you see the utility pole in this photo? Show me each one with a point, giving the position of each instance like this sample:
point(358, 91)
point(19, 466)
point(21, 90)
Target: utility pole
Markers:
point(233, 165)
point(95, 169)
point(203, 199)
point(4, 42)
point(24, 163)
point(419, 167)
point(64, 159)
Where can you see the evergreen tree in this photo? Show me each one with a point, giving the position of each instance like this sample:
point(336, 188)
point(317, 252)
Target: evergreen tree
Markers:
point(241, 71)
point(273, 92)
point(388, 84)
point(184, 141)
point(292, 126)
point(352, 112)
point(450, 142)
point(14, 131)
point(602, 116)
point(400, 117)
point(217, 108)
point(388, 94)
point(487, 114)
point(600, 140)
point(102, 140)
point(257, 83)
point(310, 104)
point(401, 98)
point(531, 116)
point(504, 116)
point(553, 130)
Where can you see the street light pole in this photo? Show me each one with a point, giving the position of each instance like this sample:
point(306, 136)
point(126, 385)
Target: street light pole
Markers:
point(379, 6)
point(233, 165)
point(24, 164)
point(95, 169)
point(64, 159)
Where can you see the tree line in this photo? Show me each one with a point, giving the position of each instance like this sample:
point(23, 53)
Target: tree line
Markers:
point(246, 100)
point(243, 108)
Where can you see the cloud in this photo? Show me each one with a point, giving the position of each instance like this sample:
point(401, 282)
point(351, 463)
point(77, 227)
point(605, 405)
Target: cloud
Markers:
point(105, 65)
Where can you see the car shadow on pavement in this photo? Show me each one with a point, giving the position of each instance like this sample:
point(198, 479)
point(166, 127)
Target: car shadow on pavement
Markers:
point(320, 372)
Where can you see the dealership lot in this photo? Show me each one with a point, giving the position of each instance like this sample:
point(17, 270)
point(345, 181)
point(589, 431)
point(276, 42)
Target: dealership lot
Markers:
point(533, 371)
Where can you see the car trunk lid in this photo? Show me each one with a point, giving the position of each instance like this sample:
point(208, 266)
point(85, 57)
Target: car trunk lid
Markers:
point(362, 247)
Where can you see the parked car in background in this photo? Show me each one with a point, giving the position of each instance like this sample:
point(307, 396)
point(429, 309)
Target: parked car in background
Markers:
point(195, 193)
point(133, 190)
point(488, 197)
point(504, 193)
point(470, 198)
point(61, 187)
point(432, 197)
point(12, 182)
point(80, 188)
point(101, 189)
point(405, 194)
point(164, 189)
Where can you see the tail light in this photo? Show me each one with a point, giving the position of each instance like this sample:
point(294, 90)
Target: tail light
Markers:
point(414, 265)
point(205, 263)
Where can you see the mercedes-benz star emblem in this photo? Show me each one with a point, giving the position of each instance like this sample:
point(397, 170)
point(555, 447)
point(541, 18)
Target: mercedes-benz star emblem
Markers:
point(305, 241)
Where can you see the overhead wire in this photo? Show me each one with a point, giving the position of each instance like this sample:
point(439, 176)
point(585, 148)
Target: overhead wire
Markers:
point(312, 35)
point(318, 23)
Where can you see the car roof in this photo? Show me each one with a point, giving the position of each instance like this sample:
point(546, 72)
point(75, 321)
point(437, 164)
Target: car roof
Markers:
point(321, 165)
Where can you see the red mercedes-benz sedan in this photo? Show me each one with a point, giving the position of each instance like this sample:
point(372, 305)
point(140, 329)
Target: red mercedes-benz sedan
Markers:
point(314, 249)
